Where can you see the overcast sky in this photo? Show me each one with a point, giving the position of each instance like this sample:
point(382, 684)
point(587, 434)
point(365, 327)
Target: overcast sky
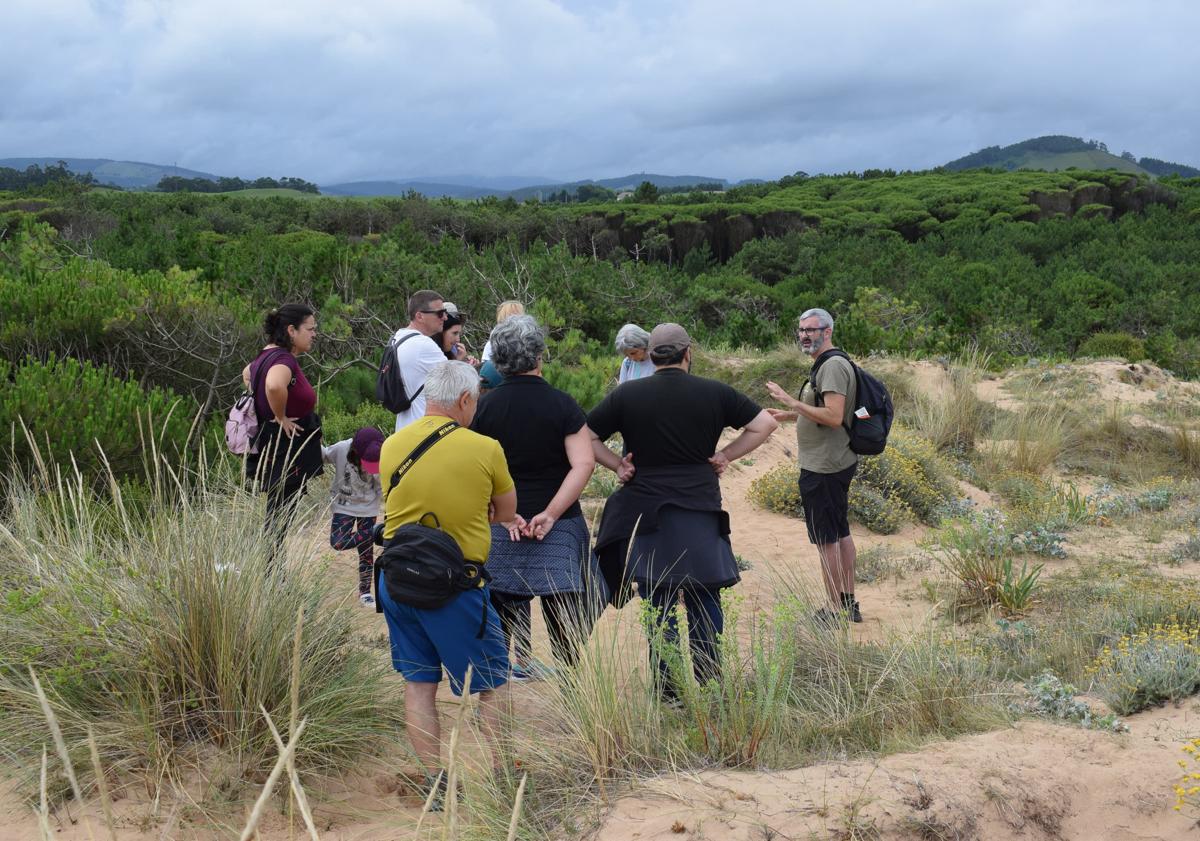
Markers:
point(337, 90)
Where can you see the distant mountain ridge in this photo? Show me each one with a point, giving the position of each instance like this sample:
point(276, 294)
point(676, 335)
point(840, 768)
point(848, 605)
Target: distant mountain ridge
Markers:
point(131, 175)
point(459, 187)
point(1058, 151)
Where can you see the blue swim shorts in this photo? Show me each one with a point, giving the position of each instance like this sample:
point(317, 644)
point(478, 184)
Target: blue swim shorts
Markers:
point(423, 641)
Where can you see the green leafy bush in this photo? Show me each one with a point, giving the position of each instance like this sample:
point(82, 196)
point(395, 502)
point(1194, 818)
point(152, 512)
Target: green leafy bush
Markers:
point(978, 552)
point(1121, 345)
point(340, 425)
point(910, 471)
point(77, 410)
point(778, 490)
point(879, 513)
point(907, 480)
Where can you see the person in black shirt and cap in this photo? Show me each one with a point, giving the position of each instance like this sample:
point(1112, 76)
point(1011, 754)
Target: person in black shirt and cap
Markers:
point(664, 528)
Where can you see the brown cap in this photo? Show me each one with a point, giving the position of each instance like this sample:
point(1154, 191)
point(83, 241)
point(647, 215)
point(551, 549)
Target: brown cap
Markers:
point(669, 337)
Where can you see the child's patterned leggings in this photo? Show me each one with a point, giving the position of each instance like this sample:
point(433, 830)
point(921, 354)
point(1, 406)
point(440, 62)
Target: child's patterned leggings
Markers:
point(350, 532)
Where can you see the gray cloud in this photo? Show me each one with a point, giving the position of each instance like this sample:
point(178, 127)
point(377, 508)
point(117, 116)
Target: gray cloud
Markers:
point(336, 90)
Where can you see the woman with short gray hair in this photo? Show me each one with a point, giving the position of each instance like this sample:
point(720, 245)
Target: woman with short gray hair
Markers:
point(518, 345)
point(634, 343)
point(547, 552)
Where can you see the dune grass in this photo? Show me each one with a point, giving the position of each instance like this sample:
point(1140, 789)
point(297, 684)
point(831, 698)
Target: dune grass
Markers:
point(155, 626)
point(956, 418)
point(792, 692)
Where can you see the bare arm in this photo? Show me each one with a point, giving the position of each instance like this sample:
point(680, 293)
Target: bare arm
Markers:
point(583, 463)
point(753, 434)
point(276, 386)
point(623, 467)
point(828, 415)
point(503, 508)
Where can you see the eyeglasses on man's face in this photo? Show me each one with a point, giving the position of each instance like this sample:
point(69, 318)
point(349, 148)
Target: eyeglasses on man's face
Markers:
point(809, 331)
point(439, 313)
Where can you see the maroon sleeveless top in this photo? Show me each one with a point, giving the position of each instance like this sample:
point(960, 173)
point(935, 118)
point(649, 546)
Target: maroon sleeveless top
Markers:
point(301, 398)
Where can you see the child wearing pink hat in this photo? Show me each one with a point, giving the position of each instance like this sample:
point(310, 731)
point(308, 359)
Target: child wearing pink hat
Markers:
point(355, 497)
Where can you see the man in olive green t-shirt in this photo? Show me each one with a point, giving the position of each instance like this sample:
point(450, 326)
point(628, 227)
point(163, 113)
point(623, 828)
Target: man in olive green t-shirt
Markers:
point(827, 463)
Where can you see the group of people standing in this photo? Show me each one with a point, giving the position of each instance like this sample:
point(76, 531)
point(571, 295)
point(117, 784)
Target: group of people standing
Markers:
point(501, 472)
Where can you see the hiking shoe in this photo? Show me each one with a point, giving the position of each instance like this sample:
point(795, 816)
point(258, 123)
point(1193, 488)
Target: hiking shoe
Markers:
point(850, 607)
point(366, 599)
point(830, 618)
point(435, 783)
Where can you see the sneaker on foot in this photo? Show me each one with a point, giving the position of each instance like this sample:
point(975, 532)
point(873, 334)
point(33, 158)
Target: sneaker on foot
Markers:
point(366, 600)
point(855, 613)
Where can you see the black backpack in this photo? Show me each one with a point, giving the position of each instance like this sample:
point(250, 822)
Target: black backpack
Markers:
point(424, 567)
point(872, 418)
point(389, 385)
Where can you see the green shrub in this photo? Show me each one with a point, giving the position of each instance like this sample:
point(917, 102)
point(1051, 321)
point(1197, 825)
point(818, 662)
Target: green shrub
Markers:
point(1148, 667)
point(978, 552)
point(778, 490)
point(78, 410)
point(1050, 697)
point(164, 328)
point(587, 381)
point(907, 480)
point(349, 391)
point(881, 514)
point(1121, 345)
point(340, 425)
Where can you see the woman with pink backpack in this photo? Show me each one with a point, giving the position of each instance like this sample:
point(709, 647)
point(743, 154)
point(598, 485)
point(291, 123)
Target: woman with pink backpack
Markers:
point(286, 449)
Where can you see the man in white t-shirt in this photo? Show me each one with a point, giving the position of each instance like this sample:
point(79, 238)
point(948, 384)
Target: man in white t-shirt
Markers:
point(417, 355)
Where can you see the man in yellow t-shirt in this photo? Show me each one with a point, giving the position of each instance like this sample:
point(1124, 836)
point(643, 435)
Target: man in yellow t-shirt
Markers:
point(463, 479)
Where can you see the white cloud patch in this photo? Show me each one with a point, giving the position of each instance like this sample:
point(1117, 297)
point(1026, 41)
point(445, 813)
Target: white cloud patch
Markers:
point(335, 90)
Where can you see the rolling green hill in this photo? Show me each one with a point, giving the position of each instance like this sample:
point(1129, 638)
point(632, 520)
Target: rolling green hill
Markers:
point(131, 175)
point(1057, 152)
point(1090, 159)
point(1051, 152)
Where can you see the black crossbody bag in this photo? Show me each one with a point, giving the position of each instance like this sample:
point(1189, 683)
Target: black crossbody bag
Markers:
point(423, 566)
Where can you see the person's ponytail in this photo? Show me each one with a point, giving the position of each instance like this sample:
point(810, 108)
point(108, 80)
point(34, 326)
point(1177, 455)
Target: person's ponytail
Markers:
point(278, 320)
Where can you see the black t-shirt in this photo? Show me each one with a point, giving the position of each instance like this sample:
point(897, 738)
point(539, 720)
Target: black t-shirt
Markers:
point(672, 417)
point(530, 418)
